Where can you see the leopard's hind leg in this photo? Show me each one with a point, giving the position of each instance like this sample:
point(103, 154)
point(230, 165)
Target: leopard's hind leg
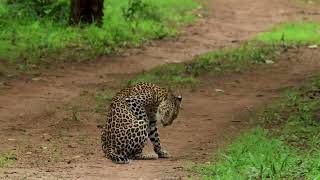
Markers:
point(118, 159)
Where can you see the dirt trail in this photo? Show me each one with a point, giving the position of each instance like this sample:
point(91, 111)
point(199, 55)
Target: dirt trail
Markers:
point(206, 118)
point(36, 113)
point(228, 21)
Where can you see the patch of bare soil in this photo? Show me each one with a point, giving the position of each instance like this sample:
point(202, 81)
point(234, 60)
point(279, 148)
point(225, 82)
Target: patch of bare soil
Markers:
point(51, 122)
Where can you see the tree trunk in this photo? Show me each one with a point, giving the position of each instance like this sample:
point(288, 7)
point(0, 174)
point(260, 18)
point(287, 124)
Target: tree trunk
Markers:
point(86, 11)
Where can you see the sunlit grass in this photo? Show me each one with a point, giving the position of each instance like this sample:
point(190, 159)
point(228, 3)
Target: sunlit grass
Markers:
point(293, 33)
point(7, 158)
point(28, 40)
point(217, 62)
point(288, 150)
point(262, 49)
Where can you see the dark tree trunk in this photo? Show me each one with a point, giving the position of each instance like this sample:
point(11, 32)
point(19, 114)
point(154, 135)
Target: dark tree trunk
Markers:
point(86, 11)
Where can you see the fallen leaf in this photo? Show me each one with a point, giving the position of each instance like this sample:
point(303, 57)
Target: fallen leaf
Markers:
point(72, 146)
point(219, 90)
point(76, 157)
point(36, 79)
point(269, 62)
point(315, 46)
point(44, 147)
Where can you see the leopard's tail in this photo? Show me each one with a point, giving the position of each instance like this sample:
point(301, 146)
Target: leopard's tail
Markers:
point(104, 142)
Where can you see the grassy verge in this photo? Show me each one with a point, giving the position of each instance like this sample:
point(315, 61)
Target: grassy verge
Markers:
point(308, 1)
point(286, 146)
point(262, 49)
point(217, 62)
point(292, 33)
point(27, 40)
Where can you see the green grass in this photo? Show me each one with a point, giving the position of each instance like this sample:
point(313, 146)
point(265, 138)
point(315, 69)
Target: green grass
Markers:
point(217, 62)
point(29, 40)
point(286, 147)
point(7, 158)
point(308, 1)
point(102, 98)
point(293, 33)
point(262, 49)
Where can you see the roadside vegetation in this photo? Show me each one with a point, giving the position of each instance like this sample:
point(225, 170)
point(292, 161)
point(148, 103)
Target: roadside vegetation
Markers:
point(286, 145)
point(262, 49)
point(217, 62)
point(308, 1)
point(7, 159)
point(293, 33)
point(37, 33)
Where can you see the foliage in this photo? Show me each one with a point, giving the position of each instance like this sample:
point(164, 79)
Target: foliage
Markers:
point(138, 9)
point(39, 34)
point(253, 156)
point(56, 10)
point(220, 61)
point(298, 115)
point(308, 1)
point(262, 49)
point(7, 158)
point(288, 150)
point(102, 98)
point(293, 33)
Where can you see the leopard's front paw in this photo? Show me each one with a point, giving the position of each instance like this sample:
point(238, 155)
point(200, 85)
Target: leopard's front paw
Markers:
point(163, 154)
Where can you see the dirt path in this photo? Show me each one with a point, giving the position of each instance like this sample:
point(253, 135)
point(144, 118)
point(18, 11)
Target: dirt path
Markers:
point(207, 117)
point(36, 120)
point(228, 21)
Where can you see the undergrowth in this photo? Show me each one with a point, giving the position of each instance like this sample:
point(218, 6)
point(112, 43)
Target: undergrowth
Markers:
point(217, 62)
point(286, 146)
point(37, 32)
point(262, 49)
point(293, 33)
point(7, 158)
point(311, 2)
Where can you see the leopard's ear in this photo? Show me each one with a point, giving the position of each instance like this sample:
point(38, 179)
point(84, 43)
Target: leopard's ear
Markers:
point(179, 98)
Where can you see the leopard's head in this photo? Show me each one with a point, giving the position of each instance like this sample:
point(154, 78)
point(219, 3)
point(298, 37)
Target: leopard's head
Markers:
point(168, 109)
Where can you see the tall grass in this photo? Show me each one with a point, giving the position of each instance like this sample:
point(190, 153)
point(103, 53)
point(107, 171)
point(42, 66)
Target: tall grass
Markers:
point(28, 39)
point(7, 159)
point(293, 33)
point(288, 150)
point(221, 61)
point(287, 143)
point(262, 49)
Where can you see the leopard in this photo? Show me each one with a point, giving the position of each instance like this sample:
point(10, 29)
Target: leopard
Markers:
point(131, 120)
